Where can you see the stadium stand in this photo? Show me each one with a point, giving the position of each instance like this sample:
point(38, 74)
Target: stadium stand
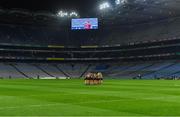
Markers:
point(21, 34)
point(163, 29)
point(7, 71)
point(11, 33)
point(31, 70)
point(34, 49)
point(150, 70)
point(52, 70)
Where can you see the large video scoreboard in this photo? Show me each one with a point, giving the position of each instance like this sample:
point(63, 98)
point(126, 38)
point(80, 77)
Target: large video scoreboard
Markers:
point(84, 24)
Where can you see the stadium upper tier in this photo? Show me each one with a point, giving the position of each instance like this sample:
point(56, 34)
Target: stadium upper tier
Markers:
point(157, 50)
point(106, 34)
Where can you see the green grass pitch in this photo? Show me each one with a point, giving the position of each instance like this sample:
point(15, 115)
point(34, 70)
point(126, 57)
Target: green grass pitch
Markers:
point(73, 98)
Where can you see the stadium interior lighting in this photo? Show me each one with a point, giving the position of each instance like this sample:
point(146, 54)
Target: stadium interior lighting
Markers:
point(62, 14)
point(73, 14)
point(117, 1)
point(104, 5)
point(120, 1)
point(67, 14)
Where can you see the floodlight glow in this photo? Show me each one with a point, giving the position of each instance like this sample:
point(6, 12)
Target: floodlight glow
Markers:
point(73, 14)
point(104, 6)
point(62, 14)
point(67, 14)
point(120, 1)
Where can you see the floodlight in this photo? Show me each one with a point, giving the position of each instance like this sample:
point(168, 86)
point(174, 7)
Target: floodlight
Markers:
point(104, 5)
point(73, 14)
point(120, 1)
point(62, 14)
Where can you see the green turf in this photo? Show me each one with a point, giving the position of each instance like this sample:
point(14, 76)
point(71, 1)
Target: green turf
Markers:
point(72, 97)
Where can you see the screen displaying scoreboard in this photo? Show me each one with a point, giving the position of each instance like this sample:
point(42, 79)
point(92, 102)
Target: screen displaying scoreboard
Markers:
point(84, 24)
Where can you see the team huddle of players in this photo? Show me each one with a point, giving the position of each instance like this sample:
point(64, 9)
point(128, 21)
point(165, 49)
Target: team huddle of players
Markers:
point(93, 78)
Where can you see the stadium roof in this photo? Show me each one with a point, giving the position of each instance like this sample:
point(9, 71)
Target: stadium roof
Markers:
point(82, 6)
point(131, 11)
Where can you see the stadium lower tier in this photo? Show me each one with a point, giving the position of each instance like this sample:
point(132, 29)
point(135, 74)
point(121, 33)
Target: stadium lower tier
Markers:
point(144, 70)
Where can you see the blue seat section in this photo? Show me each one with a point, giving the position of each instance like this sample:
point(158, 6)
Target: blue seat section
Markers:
point(153, 70)
point(101, 67)
point(148, 70)
point(132, 71)
point(169, 71)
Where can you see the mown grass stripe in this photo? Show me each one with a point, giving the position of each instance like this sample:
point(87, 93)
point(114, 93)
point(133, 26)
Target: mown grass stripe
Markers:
point(72, 97)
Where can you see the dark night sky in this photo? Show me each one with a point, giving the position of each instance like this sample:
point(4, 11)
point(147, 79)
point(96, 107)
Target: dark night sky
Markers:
point(82, 6)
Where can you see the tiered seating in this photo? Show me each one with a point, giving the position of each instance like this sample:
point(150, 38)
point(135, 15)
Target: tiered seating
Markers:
point(73, 70)
point(149, 70)
point(143, 32)
point(132, 71)
point(108, 36)
point(51, 69)
point(31, 70)
point(115, 70)
point(168, 71)
point(7, 71)
point(31, 35)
